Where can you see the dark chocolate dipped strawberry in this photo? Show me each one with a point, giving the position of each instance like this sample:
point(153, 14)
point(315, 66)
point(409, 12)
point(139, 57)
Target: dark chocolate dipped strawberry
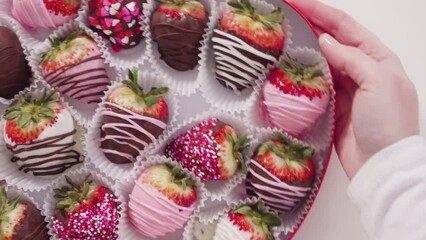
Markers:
point(178, 27)
point(211, 150)
point(247, 222)
point(132, 119)
point(244, 43)
point(281, 173)
point(20, 219)
point(119, 21)
point(40, 133)
point(85, 210)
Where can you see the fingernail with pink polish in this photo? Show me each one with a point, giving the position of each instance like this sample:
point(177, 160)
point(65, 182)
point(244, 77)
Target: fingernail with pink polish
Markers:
point(327, 39)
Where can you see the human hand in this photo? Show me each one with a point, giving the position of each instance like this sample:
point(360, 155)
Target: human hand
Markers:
point(376, 102)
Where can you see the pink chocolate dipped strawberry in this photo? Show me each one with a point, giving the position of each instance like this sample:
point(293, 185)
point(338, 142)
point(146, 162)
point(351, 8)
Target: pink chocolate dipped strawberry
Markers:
point(244, 43)
point(162, 201)
point(295, 96)
point(281, 173)
point(132, 119)
point(211, 150)
point(249, 222)
point(119, 21)
point(20, 219)
point(178, 27)
point(85, 210)
point(44, 13)
point(75, 66)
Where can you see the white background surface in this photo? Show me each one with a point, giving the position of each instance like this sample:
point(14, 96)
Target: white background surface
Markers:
point(401, 26)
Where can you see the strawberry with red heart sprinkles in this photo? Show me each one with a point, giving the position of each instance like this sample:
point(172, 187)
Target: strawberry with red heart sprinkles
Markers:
point(119, 21)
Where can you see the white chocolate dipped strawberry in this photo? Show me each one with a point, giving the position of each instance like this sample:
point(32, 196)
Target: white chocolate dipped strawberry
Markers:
point(75, 66)
point(281, 173)
point(162, 201)
point(295, 96)
point(247, 222)
point(39, 132)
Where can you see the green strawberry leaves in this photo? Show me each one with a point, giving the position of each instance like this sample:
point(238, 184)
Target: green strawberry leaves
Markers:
point(150, 98)
point(180, 176)
point(299, 72)
point(271, 20)
point(260, 216)
point(70, 197)
point(238, 147)
point(6, 206)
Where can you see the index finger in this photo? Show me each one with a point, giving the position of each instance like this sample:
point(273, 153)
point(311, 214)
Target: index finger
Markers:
point(343, 27)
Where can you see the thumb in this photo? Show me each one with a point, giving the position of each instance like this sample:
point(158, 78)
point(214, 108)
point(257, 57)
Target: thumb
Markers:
point(356, 64)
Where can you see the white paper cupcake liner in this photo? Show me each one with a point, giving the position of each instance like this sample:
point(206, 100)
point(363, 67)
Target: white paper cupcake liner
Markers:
point(319, 136)
point(125, 58)
point(219, 212)
point(185, 82)
point(217, 95)
point(125, 186)
point(217, 189)
point(26, 181)
point(77, 176)
point(96, 158)
point(32, 37)
point(85, 111)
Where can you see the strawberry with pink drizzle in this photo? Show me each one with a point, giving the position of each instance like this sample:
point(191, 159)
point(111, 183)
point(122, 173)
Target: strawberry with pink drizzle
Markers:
point(162, 201)
point(295, 96)
point(119, 21)
point(85, 210)
point(132, 119)
point(211, 150)
point(44, 13)
point(281, 173)
point(75, 66)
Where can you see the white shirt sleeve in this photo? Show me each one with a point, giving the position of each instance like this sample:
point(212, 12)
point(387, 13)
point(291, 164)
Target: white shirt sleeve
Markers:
point(390, 191)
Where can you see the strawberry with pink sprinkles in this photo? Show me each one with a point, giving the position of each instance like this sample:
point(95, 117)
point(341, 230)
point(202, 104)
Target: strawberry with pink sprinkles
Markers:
point(85, 211)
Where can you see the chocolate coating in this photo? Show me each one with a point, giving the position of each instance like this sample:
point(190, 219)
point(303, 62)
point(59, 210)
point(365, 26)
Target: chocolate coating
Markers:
point(178, 40)
point(125, 146)
point(237, 70)
point(14, 71)
point(32, 226)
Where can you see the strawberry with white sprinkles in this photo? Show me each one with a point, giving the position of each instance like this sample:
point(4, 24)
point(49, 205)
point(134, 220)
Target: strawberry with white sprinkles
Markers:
point(85, 211)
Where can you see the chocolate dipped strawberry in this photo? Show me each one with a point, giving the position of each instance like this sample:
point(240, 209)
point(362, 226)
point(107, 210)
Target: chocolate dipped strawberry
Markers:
point(40, 133)
point(211, 150)
point(281, 173)
point(244, 43)
point(75, 66)
point(119, 21)
point(44, 13)
point(295, 96)
point(20, 219)
point(162, 201)
point(132, 119)
point(85, 210)
point(251, 222)
point(178, 27)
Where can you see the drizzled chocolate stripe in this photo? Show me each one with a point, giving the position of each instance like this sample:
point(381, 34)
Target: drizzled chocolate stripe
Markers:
point(237, 63)
point(277, 194)
point(124, 133)
point(57, 158)
point(77, 85)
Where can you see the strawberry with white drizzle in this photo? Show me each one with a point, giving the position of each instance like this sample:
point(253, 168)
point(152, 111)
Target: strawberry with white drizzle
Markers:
point(75, 66)
point(244, 43)
point(132, 119)
point(295, 96)
point(247, 222)
point(44, 13)
point(119, 21)
point(40, 132)
point(281, 173)
point(162, 201)
point(211, 150)
point(20, 219)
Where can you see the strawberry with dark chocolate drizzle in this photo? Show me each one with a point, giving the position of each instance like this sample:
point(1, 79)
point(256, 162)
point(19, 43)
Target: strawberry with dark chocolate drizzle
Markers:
point(178, 27)
point(20, 219)
point(132, 119)
point(244, 43)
